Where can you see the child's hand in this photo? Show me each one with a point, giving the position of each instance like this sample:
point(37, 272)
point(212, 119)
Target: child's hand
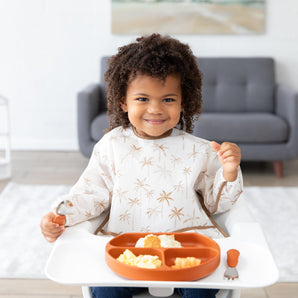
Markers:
point(51, 231)
point(229, 155)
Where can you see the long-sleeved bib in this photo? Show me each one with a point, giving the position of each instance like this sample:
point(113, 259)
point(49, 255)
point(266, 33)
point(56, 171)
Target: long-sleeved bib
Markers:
point(152, 185)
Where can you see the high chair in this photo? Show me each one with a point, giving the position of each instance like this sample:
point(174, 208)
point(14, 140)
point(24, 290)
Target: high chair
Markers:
point(77, 258)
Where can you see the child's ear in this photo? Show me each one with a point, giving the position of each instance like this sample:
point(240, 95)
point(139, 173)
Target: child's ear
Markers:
point(123, 104)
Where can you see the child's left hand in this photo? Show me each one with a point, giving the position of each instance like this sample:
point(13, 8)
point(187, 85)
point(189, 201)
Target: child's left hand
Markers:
point(229, 155)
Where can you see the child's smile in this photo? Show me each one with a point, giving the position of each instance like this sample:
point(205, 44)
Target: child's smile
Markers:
point(153, 105)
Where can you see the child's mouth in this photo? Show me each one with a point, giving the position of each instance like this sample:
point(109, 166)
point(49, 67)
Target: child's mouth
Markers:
point(155, 121)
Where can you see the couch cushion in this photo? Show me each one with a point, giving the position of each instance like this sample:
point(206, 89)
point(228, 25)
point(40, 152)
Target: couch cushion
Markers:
point(237, 84)
point(242, 128)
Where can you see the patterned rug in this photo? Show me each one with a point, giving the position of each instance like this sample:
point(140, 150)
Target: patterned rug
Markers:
point(24, 252)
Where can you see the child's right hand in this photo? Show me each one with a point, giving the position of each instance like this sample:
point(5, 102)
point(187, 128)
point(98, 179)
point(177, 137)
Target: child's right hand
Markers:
point(51, 231)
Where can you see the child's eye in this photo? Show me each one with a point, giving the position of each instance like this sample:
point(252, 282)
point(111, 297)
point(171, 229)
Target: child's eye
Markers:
point(142, 99)
point(169, 99)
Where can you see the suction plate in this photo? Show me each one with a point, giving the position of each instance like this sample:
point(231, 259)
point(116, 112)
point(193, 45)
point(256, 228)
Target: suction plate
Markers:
point(193, 245)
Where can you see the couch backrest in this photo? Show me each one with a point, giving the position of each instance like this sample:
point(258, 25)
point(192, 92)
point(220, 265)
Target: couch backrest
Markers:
point(237, 84)
point(233, 84)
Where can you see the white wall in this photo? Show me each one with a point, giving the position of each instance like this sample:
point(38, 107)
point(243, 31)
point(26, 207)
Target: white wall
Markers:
point(50, 49)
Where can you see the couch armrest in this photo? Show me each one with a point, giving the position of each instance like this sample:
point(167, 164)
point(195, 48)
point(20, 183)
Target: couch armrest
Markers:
point(90, 103)
point(287, 108)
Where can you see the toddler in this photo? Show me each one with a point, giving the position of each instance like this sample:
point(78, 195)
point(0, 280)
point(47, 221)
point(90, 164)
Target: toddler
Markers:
point(148, 169)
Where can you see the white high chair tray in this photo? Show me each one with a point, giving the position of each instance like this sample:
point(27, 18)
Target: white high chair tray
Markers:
point(78, 258)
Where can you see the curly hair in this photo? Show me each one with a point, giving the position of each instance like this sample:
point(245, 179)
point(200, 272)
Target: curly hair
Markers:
point(157, 56)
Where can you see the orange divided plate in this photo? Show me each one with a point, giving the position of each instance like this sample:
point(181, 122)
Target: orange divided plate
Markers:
point(193, 245)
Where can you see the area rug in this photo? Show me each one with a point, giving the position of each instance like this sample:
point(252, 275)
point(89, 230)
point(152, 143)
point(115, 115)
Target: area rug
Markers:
point(276, 209)
point(24, 252)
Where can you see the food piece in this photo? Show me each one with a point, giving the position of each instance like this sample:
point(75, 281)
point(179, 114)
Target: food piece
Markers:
point(127, 258)
point(151, 241)
point(158, 241)
point(143, 261)
point(148, 241)
point(169, 241)
point(148, 261)
point(186, 262)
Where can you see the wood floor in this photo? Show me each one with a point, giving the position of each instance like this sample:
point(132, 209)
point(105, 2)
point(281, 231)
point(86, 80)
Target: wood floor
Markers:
point(65, 168)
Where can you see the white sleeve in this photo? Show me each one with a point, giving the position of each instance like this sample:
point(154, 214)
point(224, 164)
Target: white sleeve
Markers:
point(91, 195)
point(219, 195)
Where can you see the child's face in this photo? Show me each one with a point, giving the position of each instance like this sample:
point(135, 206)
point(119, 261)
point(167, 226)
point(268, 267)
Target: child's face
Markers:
point(153, 105)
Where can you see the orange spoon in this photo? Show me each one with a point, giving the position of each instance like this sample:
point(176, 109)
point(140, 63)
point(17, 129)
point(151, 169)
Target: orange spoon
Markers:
point(62, 209)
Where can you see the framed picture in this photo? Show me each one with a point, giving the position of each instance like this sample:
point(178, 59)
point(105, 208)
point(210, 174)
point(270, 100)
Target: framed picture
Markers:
point(188, 16)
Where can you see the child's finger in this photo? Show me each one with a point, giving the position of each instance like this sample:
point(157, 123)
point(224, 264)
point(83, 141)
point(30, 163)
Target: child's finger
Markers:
point(55, 234)
point(225, 146)
point(56, 230)
point(231, 159)
point(215, 146)
point(230, 148)
point(47, 225)
point(51, 239)
point(228, 153)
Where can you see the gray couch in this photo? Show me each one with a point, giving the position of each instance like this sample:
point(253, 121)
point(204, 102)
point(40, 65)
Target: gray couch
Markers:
point(242, 103)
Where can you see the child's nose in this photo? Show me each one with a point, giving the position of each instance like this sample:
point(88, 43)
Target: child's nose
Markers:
point(154, 108)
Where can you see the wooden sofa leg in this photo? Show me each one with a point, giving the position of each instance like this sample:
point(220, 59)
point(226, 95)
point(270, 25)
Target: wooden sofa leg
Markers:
point(278, 168)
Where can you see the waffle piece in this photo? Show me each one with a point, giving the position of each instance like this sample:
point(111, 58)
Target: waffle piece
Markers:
point(186, 262)
point(151, 241)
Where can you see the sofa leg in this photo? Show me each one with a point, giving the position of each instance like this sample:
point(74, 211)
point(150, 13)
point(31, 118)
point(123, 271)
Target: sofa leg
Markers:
point(278, 168)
